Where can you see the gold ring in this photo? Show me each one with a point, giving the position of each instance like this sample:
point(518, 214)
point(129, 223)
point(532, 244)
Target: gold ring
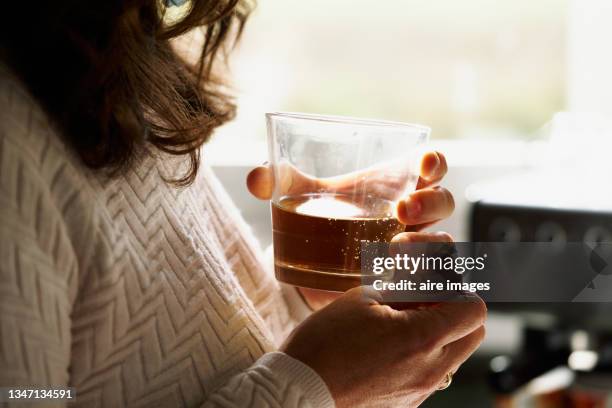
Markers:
point(447, 382)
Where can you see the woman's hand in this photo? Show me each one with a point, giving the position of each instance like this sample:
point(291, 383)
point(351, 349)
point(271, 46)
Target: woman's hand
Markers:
point(370, 354)
point(420, 209)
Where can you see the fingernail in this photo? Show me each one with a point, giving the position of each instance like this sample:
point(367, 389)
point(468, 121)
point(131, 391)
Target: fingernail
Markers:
point(409, 208)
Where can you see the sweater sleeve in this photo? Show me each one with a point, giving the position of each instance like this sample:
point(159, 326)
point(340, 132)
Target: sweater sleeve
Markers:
point(275, 380)
point(37, 272)
point(279, 305)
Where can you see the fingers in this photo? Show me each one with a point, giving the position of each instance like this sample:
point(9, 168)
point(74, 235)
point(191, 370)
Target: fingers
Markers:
point(433, 169)
point(401, 242)
point(260, 182)
point(450, 358)
point(365, 294)
point(448, 322)
point(460, 350)
point(409, 237)
point(426, 206)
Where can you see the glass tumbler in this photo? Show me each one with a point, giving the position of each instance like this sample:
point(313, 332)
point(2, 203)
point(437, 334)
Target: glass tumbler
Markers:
point(337, 181)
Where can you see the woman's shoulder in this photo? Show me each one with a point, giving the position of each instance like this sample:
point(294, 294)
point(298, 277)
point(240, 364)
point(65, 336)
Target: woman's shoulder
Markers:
point(39, 175)
point(29, 142)
point(24, 127)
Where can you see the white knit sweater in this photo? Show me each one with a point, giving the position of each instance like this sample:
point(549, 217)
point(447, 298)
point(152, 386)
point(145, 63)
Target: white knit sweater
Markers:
point(132, 291)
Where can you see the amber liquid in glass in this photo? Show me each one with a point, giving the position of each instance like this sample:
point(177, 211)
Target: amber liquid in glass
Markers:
point(317, 238)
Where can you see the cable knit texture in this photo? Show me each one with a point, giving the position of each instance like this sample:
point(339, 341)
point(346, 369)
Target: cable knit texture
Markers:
point(132, 291)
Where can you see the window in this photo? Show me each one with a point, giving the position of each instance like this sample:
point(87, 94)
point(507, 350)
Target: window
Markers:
point(468, 69)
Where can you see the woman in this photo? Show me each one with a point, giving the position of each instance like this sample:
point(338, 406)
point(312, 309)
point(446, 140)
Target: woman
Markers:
point(127, 272)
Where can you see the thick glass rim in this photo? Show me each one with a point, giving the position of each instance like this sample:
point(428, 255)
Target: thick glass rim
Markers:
point(346, 120)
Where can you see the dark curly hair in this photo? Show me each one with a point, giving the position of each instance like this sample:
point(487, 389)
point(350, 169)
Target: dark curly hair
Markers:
point(108, 75)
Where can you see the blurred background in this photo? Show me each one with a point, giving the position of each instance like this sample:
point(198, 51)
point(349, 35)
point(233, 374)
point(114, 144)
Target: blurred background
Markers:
point(490, 79)
point(469, 69)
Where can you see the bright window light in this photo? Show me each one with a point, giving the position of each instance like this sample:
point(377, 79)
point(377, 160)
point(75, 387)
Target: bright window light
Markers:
point(468, 69)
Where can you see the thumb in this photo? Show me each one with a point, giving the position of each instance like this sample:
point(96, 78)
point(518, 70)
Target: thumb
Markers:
point(260, 182)
point(364, 294)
